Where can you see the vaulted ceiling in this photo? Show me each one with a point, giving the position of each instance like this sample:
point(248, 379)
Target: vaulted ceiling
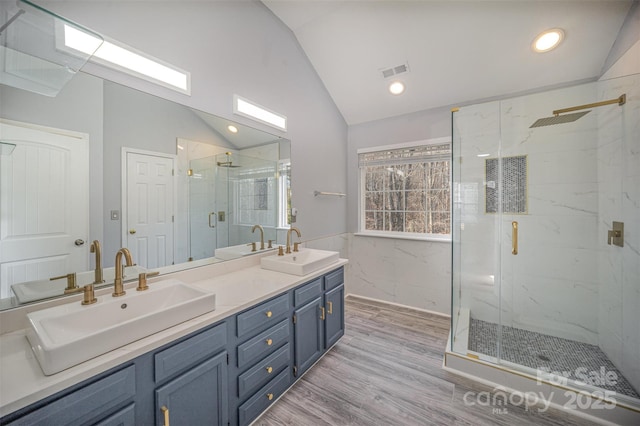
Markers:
point(456, 51)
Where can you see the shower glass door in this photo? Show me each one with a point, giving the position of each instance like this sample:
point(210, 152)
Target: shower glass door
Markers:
point(476, 250)
point(202, 209)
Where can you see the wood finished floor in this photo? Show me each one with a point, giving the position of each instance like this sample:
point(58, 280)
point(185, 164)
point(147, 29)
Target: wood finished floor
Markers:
point(386, 370)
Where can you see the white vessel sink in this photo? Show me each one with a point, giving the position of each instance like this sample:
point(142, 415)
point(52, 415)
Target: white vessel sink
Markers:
point(66, 335)
point(43, 289)
point(300, 263)
point(236, 252)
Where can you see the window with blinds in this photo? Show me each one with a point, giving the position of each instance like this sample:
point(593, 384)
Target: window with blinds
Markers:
point(406, 190)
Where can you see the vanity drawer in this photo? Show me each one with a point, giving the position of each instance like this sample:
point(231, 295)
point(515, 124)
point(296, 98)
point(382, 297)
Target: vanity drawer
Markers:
point(189, 352)
point(266, 313)
point(82, 406)
point(263, 371)
point(263, 344)
point(334, 279)
point(263, 398)
point(308, 292)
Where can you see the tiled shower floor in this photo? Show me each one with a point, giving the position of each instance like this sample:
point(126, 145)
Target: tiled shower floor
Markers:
point(540, 351)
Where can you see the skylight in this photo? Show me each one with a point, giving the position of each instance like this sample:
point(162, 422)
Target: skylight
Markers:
point(126, 59)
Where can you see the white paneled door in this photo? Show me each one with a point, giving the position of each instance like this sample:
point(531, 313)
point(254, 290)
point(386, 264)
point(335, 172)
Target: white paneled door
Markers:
point(149, 209)
point(44, 203)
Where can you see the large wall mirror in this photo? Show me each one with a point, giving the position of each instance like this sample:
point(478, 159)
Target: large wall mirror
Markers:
point(103, 162)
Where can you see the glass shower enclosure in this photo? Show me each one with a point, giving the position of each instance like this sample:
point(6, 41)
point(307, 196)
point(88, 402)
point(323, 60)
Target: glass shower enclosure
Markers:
point(546, 236)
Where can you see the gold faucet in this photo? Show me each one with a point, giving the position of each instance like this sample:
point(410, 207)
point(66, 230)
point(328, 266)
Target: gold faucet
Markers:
point(261, 235)
point(118, 289)
point(293, 228)
point(95, 248)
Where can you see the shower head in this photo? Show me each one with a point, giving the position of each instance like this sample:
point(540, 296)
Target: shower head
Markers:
point(560, 116)
point(227, 163)
point(558, 119)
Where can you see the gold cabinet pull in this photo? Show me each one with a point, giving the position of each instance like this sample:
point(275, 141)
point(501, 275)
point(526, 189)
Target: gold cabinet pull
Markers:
point(322, 312)
point(269, 370)
point(269, 342)
point(514, 237)
point(269, 396)
point(165, 411)
point(269, 314)
point(330, 310)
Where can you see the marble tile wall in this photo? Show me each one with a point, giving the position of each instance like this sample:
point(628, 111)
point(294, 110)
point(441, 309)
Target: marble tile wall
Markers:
point(407, 272)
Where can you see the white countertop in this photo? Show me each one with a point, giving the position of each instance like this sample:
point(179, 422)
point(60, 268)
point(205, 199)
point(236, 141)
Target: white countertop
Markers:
point(22, 381)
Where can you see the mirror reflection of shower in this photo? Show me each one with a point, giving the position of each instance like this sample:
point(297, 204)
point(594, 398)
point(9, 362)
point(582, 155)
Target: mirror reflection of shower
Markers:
point(229, 193)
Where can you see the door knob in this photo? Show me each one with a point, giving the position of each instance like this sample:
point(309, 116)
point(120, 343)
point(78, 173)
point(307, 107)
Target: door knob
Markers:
point(132, 231)
point(78, 242)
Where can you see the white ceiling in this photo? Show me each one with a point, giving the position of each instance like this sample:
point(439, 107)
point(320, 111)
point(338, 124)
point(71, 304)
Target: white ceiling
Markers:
point(457, 51)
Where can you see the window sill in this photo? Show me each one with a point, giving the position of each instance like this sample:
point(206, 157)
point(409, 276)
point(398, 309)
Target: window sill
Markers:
point(443, 239)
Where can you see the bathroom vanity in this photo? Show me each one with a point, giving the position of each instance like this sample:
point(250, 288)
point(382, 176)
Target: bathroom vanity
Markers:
point(225, 367)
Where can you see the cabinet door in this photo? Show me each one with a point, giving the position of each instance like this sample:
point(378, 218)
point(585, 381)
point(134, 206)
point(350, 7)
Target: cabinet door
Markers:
point(334, 323)
point(198, 396)
point(308, 334)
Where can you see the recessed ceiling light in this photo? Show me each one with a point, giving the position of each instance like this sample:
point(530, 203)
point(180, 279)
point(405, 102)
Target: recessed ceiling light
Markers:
point(548, 40)
point(232, 128)
point(396, 88)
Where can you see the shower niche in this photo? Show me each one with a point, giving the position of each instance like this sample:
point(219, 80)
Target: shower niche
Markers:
point(537, 291)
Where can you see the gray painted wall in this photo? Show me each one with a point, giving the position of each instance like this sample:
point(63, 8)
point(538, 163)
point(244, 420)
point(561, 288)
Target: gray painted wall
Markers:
point(238, 47)
point(133, 119)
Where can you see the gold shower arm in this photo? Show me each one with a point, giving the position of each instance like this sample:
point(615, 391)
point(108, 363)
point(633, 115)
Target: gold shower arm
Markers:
point(620, 101)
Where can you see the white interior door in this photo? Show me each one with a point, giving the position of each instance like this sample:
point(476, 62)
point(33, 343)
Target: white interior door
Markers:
point(149, 209)
point(44, 203)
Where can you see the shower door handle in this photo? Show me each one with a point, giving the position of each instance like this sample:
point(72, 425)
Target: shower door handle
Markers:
point(514, 237)
point(212, 225)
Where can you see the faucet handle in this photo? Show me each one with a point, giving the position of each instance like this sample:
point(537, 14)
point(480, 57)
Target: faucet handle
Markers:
point(253, 246)
point(280, 251)
point(89, 295)
point(71, 282)
point(295, 246)
point(142, 280)
point(270, 244)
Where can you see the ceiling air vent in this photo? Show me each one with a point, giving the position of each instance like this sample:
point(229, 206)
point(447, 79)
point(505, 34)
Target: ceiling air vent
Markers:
point(399, 69)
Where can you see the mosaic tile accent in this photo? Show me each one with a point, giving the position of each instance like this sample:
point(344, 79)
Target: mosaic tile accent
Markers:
point(514, 184)
point(549, 353)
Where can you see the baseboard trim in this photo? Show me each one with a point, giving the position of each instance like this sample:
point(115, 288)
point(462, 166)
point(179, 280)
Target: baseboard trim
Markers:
point(385, 302)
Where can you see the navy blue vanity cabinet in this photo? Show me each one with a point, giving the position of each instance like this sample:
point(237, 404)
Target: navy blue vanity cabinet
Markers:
point(308, 334)
point(198, 396)
point(319, 322)
point(227, 373)
point(262, 360)
point(91, 402)
point(197, 392)
point(334, 306)
point(334, 316)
